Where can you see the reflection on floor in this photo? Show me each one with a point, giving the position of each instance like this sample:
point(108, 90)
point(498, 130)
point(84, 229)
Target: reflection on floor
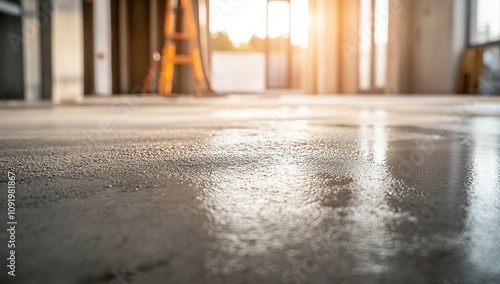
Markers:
point(283, 189)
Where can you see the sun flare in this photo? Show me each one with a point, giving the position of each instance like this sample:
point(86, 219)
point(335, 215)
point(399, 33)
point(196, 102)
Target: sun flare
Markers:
point(248, 18)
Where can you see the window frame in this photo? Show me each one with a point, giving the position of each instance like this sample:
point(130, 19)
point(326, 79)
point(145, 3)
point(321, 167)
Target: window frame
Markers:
point(470, 17)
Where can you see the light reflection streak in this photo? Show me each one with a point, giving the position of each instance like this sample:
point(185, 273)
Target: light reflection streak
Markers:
point(254, 207)
point(483, 225)
point(371, 214)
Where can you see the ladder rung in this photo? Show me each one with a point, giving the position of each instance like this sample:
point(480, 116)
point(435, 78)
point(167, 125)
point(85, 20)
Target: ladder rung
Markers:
point(181, 36)
point(183, 59)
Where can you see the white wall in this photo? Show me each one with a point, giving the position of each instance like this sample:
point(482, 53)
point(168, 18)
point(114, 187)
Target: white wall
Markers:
point(67, 51)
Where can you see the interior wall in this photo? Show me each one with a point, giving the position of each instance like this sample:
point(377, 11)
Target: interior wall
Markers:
point(426, 41)
point(432, 42)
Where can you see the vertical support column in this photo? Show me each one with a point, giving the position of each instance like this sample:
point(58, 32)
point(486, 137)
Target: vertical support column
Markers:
point(459, 40)
point(399, 47)
point(373, 53)
point(11, 51)
point(67, 51)
point(153, 27)
point(102, 48)
point(349, 23)
point(124, 48)
point(328, 42)
point(323, 53)
point(46, 48)
point(310, 85)
point(31, 49)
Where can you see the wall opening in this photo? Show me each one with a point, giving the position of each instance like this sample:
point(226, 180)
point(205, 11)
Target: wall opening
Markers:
point(255, 45)
point(374, 35)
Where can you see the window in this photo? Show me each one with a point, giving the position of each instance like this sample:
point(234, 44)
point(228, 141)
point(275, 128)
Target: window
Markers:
point(374, 34)
point(267, 37)
point(484, 23)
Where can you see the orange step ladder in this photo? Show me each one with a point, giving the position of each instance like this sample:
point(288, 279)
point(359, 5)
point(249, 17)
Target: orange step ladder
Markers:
point(170, 58)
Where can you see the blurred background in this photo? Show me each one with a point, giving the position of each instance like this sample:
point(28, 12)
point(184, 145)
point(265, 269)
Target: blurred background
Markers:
point(64, 50)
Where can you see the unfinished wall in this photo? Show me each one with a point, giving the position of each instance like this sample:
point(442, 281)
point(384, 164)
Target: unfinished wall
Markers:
point(432, 44)
point(427, 38)
point(426, 41)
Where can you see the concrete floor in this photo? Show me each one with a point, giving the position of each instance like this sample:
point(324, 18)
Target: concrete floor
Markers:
point(255, 190)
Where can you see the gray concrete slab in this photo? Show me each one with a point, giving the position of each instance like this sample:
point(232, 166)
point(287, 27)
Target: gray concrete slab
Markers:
point(269, 189)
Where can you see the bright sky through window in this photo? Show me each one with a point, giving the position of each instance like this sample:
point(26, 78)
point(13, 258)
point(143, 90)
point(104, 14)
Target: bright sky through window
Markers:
point(485, 21)
point(241, 19)
point(279, 19)
point(488, 20)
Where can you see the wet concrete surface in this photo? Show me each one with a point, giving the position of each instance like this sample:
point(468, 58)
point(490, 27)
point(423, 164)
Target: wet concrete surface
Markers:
point(254, 190)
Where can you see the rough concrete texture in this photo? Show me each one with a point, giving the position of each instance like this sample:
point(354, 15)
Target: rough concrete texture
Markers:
point(273, 189)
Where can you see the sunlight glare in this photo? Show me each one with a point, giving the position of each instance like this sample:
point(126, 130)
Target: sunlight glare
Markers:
point(248, 18)
point(300, 23)
point(279, 19)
